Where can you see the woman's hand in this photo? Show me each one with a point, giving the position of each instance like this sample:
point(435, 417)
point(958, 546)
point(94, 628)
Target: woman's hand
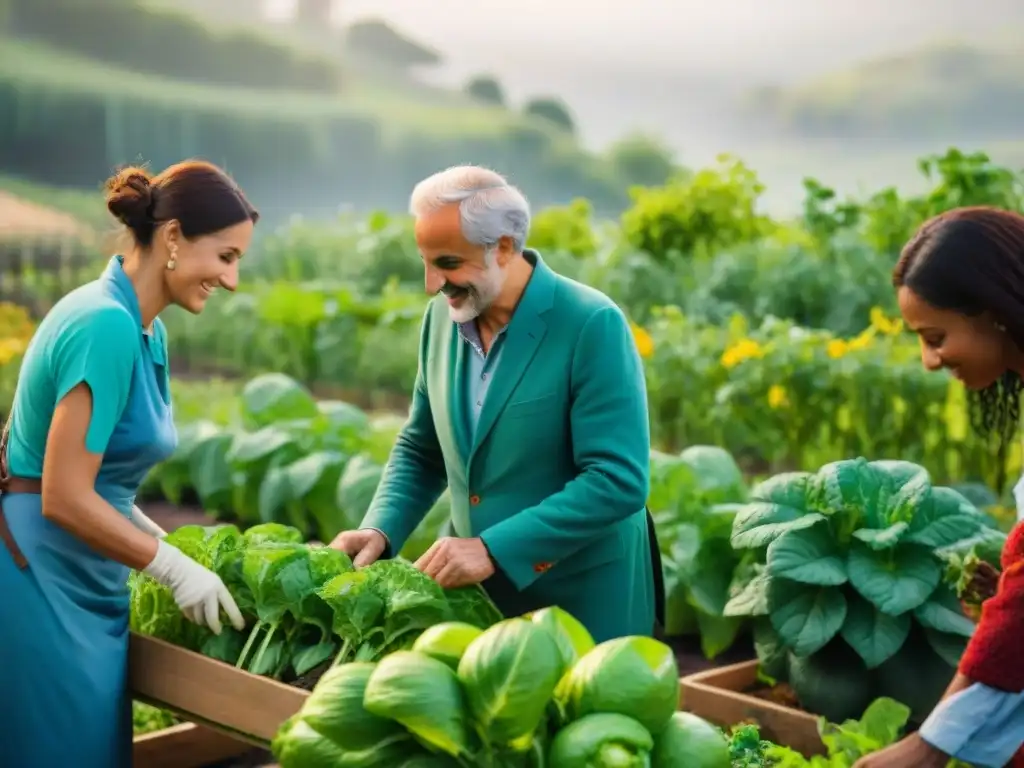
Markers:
point(198, 591)
point(911, 751)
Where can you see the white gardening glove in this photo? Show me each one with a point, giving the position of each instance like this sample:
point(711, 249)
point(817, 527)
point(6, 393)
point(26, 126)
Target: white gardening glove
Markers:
point(144, 524)
point(198, 591)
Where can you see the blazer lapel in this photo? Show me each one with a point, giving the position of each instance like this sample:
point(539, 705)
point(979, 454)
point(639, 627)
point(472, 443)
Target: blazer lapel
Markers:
point(457, 393)
point(523, 336)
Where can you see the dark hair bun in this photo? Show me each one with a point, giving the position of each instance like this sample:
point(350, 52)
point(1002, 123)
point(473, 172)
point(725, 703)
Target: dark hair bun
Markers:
point(130, 200)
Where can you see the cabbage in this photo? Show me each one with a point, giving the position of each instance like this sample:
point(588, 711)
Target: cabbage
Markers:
point(333, 729)
point(633, 676)
point(573, 639)
point(424, 695)
point(602, 740)
point(691, 741)
point(447, 642)
point(528, 692)
point(509, 674)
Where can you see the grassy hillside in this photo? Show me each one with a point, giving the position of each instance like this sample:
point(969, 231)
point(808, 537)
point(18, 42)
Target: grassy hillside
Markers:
point(948, 91)
point(35, 64)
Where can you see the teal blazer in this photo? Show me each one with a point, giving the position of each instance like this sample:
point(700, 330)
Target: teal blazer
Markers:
point(555, 479)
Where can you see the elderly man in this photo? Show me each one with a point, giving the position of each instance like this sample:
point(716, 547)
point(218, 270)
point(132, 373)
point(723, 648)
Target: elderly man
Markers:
point(530, 405)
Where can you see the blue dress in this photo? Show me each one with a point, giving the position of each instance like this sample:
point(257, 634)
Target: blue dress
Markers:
point(64, 619)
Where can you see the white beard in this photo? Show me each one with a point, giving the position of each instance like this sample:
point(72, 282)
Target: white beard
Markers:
point(481, 295)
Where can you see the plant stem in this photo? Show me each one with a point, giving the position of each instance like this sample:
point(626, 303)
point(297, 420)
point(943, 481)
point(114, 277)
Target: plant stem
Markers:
point(240, 664)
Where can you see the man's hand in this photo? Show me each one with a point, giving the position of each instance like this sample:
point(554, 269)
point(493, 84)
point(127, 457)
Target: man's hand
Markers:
point(911, 751)
point(454, 562)
point(364, 546)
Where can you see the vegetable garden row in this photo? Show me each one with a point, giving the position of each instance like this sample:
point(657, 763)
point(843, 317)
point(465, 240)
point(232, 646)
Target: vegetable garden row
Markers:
point(406, 673)
point(773, 363)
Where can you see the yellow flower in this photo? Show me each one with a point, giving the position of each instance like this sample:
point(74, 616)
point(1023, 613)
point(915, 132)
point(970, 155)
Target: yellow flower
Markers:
point(740, 351)
point(11, 349)
point(777, 397)
point(837, 348)
point(863, 341)
point(643, 340)
point(885, 325)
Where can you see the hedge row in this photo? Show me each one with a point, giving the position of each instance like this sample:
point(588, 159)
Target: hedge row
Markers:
point(308, 160)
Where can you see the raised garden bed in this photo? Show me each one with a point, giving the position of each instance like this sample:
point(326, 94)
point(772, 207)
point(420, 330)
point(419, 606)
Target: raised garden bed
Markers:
point(245, 707)
point(185, 745)
point(733, 694)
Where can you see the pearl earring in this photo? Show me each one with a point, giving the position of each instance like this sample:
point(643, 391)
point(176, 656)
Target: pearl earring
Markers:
point(171, 263)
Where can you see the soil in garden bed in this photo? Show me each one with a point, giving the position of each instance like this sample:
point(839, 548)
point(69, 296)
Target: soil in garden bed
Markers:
point(691, 660)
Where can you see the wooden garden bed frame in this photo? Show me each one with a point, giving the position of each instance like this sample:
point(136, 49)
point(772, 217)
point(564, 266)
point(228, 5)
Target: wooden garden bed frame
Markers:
point(718, 695)
point(186, 745)
point(246, 708)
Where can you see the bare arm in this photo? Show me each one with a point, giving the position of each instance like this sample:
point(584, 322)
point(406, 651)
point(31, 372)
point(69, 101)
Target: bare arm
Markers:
point(69, 496)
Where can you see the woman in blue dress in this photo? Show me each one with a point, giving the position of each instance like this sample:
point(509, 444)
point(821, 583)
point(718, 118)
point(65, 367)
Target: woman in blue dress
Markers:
point(91, 415)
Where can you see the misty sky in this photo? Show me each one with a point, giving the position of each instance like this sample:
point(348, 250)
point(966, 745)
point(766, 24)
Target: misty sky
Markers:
point(675, 68)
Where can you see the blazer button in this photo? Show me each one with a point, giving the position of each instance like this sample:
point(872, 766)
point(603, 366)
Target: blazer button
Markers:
point(474, 499)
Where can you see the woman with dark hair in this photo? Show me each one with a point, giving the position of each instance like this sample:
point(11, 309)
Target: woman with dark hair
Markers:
point(91, 415)
point(960, 284)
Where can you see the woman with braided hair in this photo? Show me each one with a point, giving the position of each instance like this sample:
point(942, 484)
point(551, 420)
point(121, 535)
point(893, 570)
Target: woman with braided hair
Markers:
point(91, 415)
point(960, 284)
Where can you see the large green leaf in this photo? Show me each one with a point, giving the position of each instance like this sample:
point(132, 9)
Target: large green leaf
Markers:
point(805, 616)
point(809, 555)
point(908, 500)
point(882, 538)
point(942, 612)
point(874, 635)
point(895, 581)
point(749, 596)
point(788, 489)
point(848, 490)
point(949, 647)
point(759, 523)
point(944, 518)
point(717, 633)
point(717, 474)
point(274, 397)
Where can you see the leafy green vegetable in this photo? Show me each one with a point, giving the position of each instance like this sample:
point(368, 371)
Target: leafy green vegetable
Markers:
point(424, 695)
point(149, 719)
point(509, 674)
point(602, 740)
point(694, 497)
point(499, 709)
point(852, 557)
point(633, 676)
point(691, 741)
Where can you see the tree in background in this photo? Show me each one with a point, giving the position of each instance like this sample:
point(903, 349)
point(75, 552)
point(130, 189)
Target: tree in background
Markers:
point(642, 160)
point(485, 89)
point(377, 40)
point(553, 110)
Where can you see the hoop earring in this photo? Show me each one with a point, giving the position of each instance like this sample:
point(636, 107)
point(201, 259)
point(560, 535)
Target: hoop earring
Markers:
point(171, 262)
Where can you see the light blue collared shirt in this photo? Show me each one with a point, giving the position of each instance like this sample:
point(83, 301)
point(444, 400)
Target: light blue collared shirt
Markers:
point(979, 725)
point(480, 369)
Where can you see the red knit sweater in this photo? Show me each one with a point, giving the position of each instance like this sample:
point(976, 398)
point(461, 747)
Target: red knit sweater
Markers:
point(994, 656)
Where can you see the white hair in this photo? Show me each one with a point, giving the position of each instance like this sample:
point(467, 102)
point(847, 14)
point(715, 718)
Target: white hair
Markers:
point(490, 208)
